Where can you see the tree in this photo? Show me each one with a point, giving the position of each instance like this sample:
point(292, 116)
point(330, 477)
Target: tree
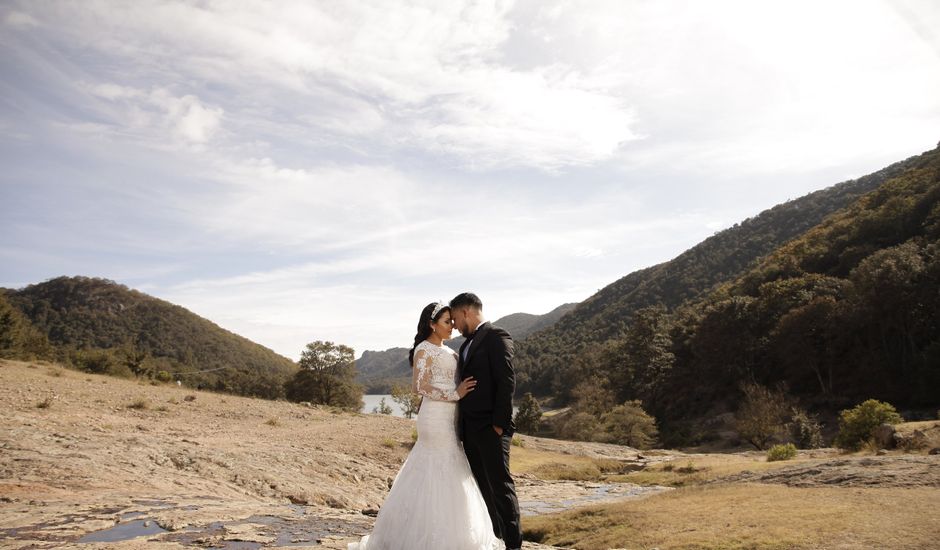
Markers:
point(761, 415)
point(327, 357)
point(593, 396)
point(639, 363)
point(382, 408)
point(529, 415)
point(408, 400)
point(629, 424)
point(326, 376)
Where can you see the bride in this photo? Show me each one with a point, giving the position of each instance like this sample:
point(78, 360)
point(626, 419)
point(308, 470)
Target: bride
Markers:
point(434, 503)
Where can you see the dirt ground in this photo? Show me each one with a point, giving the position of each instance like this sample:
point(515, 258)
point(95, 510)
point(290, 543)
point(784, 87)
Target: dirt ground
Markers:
point(91, 461)
point(84, 454)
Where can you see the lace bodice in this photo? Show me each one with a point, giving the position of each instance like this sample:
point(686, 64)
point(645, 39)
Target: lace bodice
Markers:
point(435, 372)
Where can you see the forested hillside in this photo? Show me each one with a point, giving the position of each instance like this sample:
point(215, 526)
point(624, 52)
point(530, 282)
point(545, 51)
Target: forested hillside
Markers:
point(81, 316)
point(547, 359)
point(847, 311)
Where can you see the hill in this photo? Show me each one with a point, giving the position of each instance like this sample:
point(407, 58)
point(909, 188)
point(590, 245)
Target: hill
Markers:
point(843, 312)
point(379, 370)
point(547, 359)
point(79, 315)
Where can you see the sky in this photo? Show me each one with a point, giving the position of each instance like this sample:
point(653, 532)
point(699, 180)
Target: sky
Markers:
point(299, 171)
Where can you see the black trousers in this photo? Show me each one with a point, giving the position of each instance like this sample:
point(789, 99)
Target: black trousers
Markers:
point(488, 455)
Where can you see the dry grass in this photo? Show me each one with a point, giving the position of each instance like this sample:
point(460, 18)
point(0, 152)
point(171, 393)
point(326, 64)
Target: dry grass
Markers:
point(750, 516)
point(549, 465)
point(697, 469)
point(273, 421)
point(45, 403)
point(140, 403)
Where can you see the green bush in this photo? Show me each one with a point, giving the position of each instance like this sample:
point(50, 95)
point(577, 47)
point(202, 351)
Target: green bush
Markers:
point(804, 429)
point(94, 361)
point(857, 425)
point(781, 452)
point(163, 376)
point(580, 426)
point(629, 424)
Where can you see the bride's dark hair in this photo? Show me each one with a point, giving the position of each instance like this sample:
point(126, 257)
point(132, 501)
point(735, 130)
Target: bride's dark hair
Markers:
point(424, 327)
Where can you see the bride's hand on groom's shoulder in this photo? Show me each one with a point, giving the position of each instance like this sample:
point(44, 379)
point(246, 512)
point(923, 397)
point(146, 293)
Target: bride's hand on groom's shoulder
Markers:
point(466, 386)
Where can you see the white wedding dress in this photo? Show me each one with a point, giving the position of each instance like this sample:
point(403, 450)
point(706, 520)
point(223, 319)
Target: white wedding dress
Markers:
point(434, 503)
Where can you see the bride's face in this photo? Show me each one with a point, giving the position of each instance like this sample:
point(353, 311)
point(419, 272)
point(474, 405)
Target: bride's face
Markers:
point(443, 326)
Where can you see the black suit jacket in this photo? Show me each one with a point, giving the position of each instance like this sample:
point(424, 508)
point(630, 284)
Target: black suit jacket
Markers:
point(489, 362)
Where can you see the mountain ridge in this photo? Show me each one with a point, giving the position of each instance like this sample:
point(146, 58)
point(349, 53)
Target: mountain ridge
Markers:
point(543, 357)
point(80, 313)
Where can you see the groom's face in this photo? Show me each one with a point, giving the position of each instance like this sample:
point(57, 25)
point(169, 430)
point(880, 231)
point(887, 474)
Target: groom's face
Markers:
point(460, 320)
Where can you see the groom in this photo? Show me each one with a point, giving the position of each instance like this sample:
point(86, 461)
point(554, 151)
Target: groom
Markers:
point(485, 423)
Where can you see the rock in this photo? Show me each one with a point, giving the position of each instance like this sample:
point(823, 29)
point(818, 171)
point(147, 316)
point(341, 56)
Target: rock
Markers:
point(934, 451)
point(372, 512)
point(914, 441)
point(882, 452)
point(884, 436)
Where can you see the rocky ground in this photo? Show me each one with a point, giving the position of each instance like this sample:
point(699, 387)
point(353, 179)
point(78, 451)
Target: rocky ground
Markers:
point(855, 471)
point(94, 461)
point(89, 458)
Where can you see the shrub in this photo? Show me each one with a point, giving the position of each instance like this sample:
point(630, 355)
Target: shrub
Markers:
point(382, 408)
point(529, 415)
point(408, 400)
point(580, 426)
point(805, 429)
point(857, 425)
point(781, 452)
point(761, 415)
point(163, 376)
point(629, 424)
point(45, 403)
point(273, 421)
point(94, 361)
point(139, 403)
point(389, 443)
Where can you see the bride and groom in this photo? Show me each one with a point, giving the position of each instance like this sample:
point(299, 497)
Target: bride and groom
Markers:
point(448, 495)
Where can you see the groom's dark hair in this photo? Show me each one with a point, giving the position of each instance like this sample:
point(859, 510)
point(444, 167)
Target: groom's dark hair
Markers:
point(465, 299)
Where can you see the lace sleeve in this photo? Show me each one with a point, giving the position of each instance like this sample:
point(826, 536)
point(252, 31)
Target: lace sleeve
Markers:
point(422, 377)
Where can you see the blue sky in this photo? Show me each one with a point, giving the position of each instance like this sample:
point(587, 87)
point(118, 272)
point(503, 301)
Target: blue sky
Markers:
point(322, 170)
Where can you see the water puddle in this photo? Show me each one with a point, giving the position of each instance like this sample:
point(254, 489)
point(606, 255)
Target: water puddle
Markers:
point(600, 493)
point(300, 527)
point(125, 531)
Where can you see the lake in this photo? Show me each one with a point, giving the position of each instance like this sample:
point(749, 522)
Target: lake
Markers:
point(372, 401)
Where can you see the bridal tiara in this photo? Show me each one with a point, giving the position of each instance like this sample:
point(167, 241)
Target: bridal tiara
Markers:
point(437, 309)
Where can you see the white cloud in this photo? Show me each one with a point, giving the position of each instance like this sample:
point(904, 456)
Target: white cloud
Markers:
point(321, 170)
point(20, 19)
point(417, 75)
point(171, 117)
